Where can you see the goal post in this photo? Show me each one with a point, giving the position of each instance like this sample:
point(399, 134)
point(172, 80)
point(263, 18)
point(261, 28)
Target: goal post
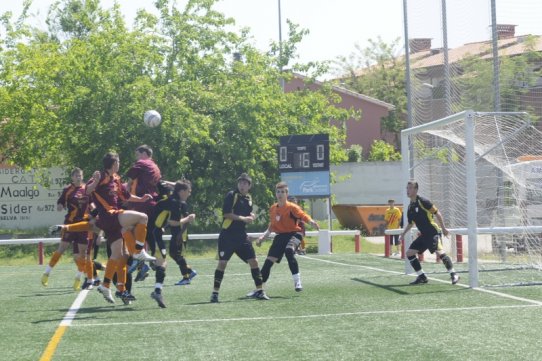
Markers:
point(483, 170)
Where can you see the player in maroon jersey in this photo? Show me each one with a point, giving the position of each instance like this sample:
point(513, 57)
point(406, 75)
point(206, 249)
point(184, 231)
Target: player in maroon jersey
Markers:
point(75, 201)
point(108, 193)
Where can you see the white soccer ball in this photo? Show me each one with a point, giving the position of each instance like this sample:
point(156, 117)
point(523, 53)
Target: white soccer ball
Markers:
point(152, 118)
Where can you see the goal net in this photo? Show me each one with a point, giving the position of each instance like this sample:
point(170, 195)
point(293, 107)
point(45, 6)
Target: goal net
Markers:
point(484, 173)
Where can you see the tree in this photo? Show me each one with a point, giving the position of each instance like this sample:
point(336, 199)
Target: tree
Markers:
point(378, 71)
point(382, 151)
point(518, 74)
point(72, 93)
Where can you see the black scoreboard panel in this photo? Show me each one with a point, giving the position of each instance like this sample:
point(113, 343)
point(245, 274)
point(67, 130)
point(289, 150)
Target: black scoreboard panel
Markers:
point(303, 153)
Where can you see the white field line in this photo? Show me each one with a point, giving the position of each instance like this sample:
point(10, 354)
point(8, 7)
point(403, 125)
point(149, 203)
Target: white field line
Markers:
point(274, 318)
point(500, 294)
point(76, 305)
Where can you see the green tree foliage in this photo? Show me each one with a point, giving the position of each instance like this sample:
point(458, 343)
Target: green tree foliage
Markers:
point(382, 151)
point(355, 153)
point(71, 93)
point(518, 74)
point(378, 71)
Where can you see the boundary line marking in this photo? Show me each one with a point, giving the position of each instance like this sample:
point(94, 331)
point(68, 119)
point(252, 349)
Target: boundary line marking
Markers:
point(63, 326)
point(500, 294)
point(274, 318)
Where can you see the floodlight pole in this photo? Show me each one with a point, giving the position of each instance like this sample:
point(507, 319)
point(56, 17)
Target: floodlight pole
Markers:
point(280, 48)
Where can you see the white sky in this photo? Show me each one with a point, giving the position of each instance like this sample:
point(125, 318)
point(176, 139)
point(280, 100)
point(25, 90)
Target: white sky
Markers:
point(337, 25)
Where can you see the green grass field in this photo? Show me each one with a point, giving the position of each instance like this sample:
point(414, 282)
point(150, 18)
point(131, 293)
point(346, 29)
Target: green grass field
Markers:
point(353, 307)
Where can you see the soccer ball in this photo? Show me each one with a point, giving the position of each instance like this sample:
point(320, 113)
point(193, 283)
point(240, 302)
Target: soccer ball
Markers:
point(152, 118)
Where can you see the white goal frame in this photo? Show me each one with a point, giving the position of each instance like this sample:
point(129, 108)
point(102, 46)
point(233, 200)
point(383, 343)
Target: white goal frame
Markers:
point(468, 116)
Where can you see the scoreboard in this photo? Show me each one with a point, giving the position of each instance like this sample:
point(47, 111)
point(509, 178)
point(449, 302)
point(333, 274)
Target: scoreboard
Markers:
point(304, 153)
point(304, 164)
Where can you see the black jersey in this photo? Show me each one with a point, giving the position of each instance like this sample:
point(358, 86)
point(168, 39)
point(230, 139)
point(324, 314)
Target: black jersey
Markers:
point(421, 213)
point(239, 204)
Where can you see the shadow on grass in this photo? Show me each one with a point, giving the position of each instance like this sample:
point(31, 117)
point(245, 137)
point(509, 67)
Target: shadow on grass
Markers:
point(416, 289)
point(49, 293)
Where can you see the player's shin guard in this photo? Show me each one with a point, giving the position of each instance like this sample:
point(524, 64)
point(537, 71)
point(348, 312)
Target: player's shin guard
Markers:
point(80, 262)
point(160, 274)
point(129, 282)
point(77, 227)
point(447, 261)
point(257, 277)
point(129, 241)
point(292, 262)
point(219, 275)
point(415, 263)
point(140, 233)
point(266, 270)
point(121, 274)
point(183, 266)
point(110, 271)
point(54, 259)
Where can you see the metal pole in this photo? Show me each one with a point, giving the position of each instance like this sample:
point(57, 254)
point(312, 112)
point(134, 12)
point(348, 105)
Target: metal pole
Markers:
point(472, 223)
point(447, 89)
point(494, 42)
point(280, 48)
point(408, 88)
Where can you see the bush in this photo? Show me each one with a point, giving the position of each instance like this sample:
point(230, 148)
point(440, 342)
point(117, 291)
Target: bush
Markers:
point(354, 153)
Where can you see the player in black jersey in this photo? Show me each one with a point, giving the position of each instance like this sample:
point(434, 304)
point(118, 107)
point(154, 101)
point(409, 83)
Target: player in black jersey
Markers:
point(430, 224)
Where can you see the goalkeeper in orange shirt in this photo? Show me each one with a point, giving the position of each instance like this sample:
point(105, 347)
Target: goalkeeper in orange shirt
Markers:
point(284, 217)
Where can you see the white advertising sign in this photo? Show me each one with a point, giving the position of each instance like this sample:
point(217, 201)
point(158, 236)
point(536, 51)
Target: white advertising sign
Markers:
point(25, 203)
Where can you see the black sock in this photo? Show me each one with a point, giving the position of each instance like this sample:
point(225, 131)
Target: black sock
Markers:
point(447, 261)
point(266, 270)
point(292, 262)
point(256, 276)
point(415, 263)
point(219, 275)
point(160, 274)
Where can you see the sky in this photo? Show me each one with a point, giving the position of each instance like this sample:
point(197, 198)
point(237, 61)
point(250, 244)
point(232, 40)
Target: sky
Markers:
point(336, 26)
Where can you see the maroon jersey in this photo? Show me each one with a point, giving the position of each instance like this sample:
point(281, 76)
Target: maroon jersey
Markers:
point(145, 176)
point(76, 201)
point(109, 194)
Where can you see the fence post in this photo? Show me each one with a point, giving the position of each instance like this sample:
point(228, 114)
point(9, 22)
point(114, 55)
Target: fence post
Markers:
point(459, 247)
point(357, 243)
point(387, 245)
point(40, 253)
point(324, 242)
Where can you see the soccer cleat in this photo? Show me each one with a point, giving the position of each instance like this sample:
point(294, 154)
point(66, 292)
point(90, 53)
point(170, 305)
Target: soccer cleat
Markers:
point(97, 282)
point(142, 273)
point(55, 230)
point(421, 279)
point(193, 274)
point(183, 282)
point(77, 284)
point(133, 266)
point(106, 292)
point(260, 295)
point(214, 297)
point(45, 280)
point(251, 294)
point(297, 286)
point(159, 299)
point(88, 284)
point(143, 256)
point(455, 278)
point(127, 297)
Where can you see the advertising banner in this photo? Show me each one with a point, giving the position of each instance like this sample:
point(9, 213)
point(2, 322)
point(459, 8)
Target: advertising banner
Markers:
point(24, 202)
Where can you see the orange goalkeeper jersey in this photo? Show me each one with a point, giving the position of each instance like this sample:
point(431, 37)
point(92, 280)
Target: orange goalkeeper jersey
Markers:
point(285, 219)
